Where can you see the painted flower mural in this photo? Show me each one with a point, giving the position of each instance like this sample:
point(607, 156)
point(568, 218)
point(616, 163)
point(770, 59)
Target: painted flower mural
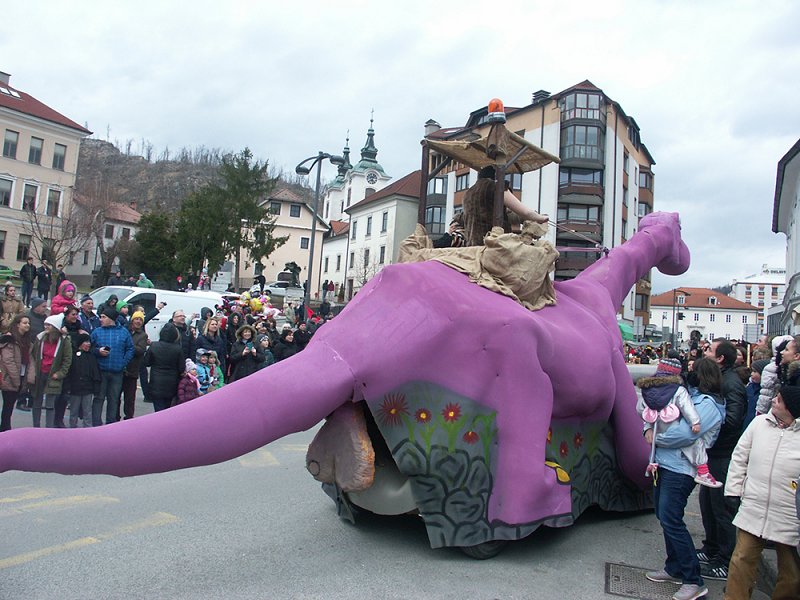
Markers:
point(391, 410)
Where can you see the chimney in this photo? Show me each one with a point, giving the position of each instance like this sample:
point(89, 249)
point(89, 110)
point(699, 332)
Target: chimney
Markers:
point(431, 126)
point(539, 96)
point(5, 78)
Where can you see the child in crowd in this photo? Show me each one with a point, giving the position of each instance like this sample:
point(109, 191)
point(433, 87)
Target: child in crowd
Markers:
point(263, 342)
point(188, 386)
point(83, 382)
point(203, 372)
point(753, 389)
point(64, 298)
point(214, 371)
point(665, 401)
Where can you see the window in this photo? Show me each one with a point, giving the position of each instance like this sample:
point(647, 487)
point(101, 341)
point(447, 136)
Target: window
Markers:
point(462, 182)
point(23, 247)
point(437, 185)
point(85, 257)
point(624, 196)
point(434, 219)
point(641, 302)
point(727, 318)
point(572, 176)
point(712, 300)
point(53, 202)
point(578, 212)
point(47, 250)
point(514, 181)
point(29, 197)
point(712, 317)
point(384, 221)
point(2, 244)
point(353, 234)
point(35, 151)
point(349, 195)
point(352, 259)
point(681, 300)
point(382, 258)
point(643, 209)
point(294, 210)
point(59, 156)
point(325, 269)
point(581, 105)
point(71, 258)
point(341, 207)
point(646, 180)
point(369, 192)
point(327, 206)
point(369, 227)
point(582, 141)
point(338, 262)
point(109, 234)
point(10, 144)
point(744, 319)
point(366, 258)
point(5, 192)
point(304, 243)
point(274, 207)
point(126, 233)
point(625, 162)
point(696, 317)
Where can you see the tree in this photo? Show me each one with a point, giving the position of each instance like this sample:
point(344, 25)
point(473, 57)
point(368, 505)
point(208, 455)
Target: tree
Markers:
point(200, 240)
point(153, 252)
point(365, 267)
point(241, 215)
point(55, 238)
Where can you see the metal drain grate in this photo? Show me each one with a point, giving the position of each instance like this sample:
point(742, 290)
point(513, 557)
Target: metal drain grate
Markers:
point(630, 582)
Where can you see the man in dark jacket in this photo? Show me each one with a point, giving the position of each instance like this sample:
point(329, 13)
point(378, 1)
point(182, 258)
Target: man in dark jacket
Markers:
point(37, 314)
point(166, 362)
point(44, 279)
point(27, 274)
point(116, 278)
point(187, 340)
point(302, 336)
point(716, 510)
point(89, 320)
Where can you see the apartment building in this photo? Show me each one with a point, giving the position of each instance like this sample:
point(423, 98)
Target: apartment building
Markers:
point(37, 177)
point(785, 317)
point(706, 313)
point(603, 185)
point(764, 290)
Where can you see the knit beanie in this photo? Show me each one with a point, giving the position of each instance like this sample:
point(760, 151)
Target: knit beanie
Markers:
point(37, 302)
point(85, 297)
point(56, 321)
point(778, 340)
point(190, 365)
point(791, 398)
point(120, 305)
point(668, 367)
point(109, 312)
point(137, 315)
point(758, 365)
point(83, 337)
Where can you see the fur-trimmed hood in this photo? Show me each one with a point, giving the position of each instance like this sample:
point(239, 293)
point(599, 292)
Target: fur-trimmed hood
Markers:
point(650, 382)
point(657, 392)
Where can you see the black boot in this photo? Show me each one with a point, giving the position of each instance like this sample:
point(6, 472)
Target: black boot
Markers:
point(24, 404)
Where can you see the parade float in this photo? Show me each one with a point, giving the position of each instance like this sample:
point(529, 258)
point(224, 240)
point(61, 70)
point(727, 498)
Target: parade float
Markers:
point(487, 403)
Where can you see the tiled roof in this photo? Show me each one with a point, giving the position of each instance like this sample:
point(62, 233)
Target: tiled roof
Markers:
point(285, 194)
point(29, 105)
point(339, 227)
point(699, 299)
point(405, 186)
point(122, 213)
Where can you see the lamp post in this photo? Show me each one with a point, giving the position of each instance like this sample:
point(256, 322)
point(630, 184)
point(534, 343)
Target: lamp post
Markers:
point(674, 304)
point(301, 169)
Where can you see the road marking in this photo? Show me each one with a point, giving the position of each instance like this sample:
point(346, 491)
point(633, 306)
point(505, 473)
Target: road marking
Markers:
point(56, 504)
point(259, 458)
point(295, 447)
point(30, 494)
point(156, 520)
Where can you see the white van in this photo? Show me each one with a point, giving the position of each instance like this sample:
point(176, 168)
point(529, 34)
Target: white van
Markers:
point(188, 302)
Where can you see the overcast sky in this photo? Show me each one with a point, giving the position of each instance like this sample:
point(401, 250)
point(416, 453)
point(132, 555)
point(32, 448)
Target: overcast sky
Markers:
point(713, 86)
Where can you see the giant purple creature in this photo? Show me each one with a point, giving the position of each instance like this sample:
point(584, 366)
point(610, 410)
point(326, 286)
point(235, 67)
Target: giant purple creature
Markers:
point(502, 419)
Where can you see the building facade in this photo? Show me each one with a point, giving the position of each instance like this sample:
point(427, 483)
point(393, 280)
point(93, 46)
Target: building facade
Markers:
point(603, 185)
point(37, 177)
point(764, 290)
point(705, 313)
point(785, 318)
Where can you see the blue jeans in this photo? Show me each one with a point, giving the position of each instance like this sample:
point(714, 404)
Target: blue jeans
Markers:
point(27, 292)
point(671, 493)
point(110, 392)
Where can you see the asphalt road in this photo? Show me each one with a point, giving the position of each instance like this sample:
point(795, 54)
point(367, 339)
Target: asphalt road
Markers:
point(260, 527)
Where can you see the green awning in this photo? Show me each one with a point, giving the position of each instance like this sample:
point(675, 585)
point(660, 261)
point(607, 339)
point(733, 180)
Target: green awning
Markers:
point(626, 331)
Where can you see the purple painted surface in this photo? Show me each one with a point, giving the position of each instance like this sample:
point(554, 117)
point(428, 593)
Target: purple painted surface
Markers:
point(420, 321)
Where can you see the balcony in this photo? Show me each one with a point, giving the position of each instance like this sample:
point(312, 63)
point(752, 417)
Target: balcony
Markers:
point(575, 261)
point(591, 228)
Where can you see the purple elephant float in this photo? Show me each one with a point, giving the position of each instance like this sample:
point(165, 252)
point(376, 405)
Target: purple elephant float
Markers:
point(499, 419)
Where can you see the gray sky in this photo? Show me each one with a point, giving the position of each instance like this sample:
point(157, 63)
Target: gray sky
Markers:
point(713, 86)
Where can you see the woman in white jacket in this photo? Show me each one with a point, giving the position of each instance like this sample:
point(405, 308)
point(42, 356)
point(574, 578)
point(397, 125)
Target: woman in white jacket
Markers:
point(762, 474)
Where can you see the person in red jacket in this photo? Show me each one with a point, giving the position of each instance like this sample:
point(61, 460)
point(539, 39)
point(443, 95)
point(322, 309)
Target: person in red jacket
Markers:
point(64, 298)
point(188, 386)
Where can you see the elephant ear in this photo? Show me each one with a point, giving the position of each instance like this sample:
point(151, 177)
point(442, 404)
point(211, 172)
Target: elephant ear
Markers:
point(342, 452)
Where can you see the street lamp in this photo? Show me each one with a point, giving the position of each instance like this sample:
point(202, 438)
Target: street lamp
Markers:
point(303, 170)
point(674, 303)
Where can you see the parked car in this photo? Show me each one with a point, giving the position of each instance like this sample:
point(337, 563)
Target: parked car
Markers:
point(7, 273)
point(282, 289)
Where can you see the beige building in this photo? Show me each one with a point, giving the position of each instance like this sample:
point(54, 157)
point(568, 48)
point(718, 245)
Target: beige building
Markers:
point(37, 176)
point(293, 218)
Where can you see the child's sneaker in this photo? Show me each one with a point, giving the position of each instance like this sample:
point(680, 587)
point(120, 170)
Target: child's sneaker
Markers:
point(707, 479)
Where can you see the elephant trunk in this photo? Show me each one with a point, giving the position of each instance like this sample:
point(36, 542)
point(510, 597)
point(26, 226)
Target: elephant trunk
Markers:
point(285, 398)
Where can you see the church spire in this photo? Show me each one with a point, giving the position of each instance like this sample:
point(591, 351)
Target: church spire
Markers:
point(369, 153)
point(344, 168)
